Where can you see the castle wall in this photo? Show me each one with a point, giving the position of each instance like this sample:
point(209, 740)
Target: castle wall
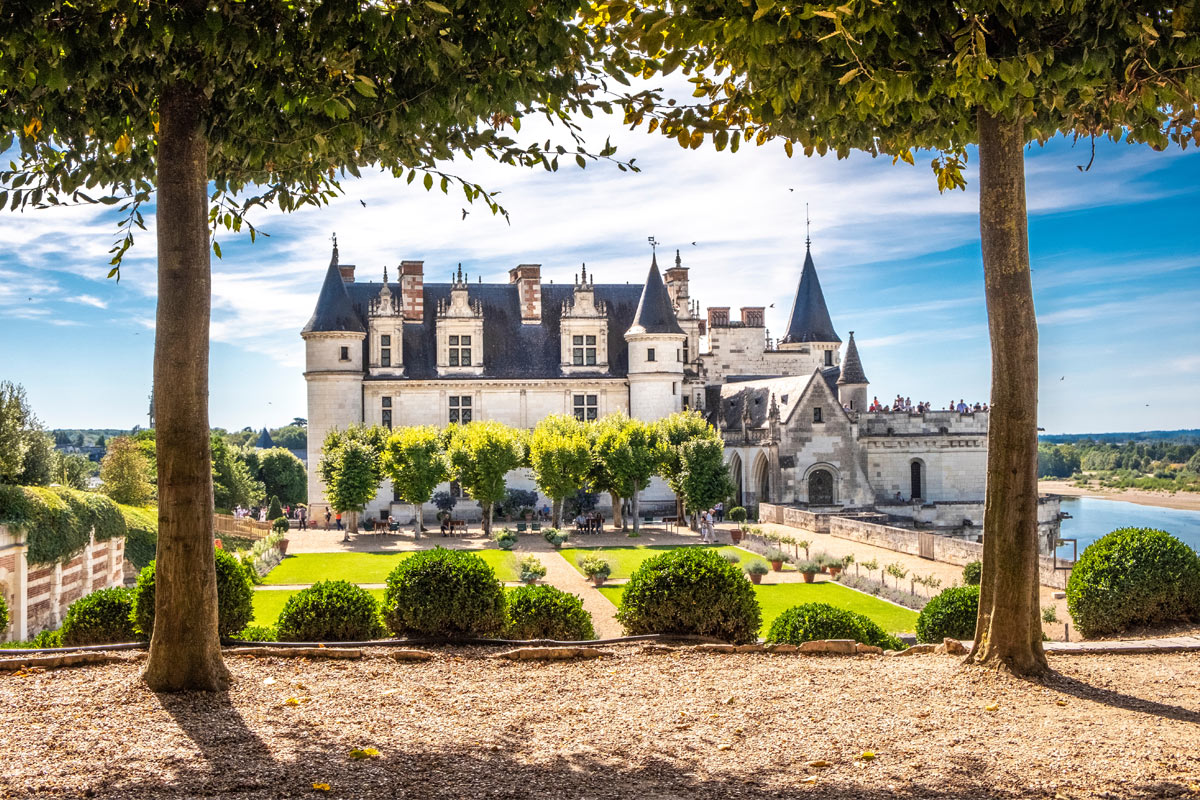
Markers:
point(738, 350)
point(950, 447)
point(830, 444)
point(334, 401)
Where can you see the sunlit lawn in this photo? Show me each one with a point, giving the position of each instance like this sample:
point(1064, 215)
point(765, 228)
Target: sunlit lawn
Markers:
point(777, 598)
point(625, 560)
point(307, 568)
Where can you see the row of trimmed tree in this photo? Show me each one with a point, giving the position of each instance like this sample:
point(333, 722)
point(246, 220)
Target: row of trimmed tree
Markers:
point(614, 455)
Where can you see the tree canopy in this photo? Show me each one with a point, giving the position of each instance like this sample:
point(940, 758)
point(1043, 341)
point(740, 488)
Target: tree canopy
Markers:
point(414, 461)
point(561, 458)
point(480, 455)
point(124, 473)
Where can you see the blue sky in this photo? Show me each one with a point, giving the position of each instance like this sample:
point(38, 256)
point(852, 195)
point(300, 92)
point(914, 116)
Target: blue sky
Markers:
point(1115, 252)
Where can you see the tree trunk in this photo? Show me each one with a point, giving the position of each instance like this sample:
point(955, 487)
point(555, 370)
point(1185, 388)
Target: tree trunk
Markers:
point(618, 517)
point(487, 519)
point(1008, 633)
point(185, 648)
point(420, 520)
point(637, 520)
point(556, 515)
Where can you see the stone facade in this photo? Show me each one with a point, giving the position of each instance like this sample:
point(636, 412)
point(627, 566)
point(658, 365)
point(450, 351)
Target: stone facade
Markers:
point(38, 595)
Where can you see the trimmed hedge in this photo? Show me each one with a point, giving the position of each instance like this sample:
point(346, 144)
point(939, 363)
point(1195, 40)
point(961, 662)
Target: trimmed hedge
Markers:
point(58, 522)
point(690, 591)
point(103, 617)
point(1133, 577)
point(973, 573)
point(444, 594)
point(544, 612)
point(330, 611)
point(815, 621)
point(234, 607)
point(951, 614)
point(141, 534)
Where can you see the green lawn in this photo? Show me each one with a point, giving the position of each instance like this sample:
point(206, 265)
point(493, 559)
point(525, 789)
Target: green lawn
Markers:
point(777, 598)
point(625, 560)
point(367, 567)
point(269, 602)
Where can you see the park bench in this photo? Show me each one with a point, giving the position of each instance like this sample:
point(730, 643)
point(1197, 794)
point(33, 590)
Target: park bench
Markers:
point(670, 522)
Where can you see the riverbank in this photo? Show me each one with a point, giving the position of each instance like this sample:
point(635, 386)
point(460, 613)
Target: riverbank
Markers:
point(1183, 501)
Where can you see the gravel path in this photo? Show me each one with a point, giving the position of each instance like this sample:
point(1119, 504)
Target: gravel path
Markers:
point(563, 576)
point(630, 725)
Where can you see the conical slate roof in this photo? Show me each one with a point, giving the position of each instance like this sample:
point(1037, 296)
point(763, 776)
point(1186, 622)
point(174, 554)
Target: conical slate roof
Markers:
point(265, 442)
point(334, 311)
point(809, 321)
point(852, 371)
point(655, 314)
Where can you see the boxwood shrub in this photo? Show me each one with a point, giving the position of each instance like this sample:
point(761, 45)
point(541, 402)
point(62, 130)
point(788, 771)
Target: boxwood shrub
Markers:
point(444, 594)
point(814, 621)
point(690, 591)
point(102, 617)
point(1133, 577)
point(952, 613)
point(330, 611)
point(544, 612)
point(234, 607)
point(973, 573)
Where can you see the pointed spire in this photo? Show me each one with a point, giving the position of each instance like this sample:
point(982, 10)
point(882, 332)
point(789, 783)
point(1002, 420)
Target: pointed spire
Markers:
point(585, 272)
point(655, 314)
point(678, 260)
point(852, 370)
point(385, 276)
point(334, 311)
point(265, 442)
point(809, 320)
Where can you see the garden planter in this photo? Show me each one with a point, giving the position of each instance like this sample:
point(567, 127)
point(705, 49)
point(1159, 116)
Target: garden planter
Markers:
point(283, 543)
point(755, 578)
point(834, 571)
point(808, 576)
point(735, 536)
point(777, 566)
point(598, 580)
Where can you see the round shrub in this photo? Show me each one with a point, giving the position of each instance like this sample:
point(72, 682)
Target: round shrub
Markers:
point(690, 591)
point(444, 594)
point(532, 569)
point(274, 509)
point(951, 614)
point(544, 612)
point(1133, 577)
point(737, 514)
point(234, 607)
point(102, 617)
point(280, 525)
point(973, 573)
point(505, 539)
point(330, 611)
point(815, 621)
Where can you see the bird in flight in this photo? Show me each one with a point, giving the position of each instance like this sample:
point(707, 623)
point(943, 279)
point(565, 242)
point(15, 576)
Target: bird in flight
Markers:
point(465, 212)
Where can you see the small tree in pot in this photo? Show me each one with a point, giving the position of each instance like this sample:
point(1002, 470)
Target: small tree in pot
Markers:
point(777, 557)
point(809, 570)
point(532, 569)
point(737, 514)
point(756, 570)
point(595, 567)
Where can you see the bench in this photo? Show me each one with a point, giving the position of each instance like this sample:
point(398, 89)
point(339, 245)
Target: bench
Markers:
point(670, 522)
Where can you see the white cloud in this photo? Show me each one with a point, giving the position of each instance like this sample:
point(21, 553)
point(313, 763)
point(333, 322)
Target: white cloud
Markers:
point(89, 300)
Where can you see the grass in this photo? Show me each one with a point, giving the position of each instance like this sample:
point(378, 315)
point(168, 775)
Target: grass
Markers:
point(625, 560)
point(777, 598)
point(306, 568)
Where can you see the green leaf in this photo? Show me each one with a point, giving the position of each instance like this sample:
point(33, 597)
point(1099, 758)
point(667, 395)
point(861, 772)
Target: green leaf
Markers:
point(438, 7)
point(849, 76)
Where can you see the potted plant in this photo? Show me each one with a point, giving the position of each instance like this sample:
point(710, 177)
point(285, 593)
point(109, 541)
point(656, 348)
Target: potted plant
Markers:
point(595, 567)
point(737, 514)
point(828, 563)
point(527, 514)
point(555, 537)
point(506, 539)
point(809, 570)
point(776, 557)
point(532, 569)
point(756, 570)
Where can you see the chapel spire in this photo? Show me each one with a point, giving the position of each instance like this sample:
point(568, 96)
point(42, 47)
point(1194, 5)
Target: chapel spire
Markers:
point(809, 320)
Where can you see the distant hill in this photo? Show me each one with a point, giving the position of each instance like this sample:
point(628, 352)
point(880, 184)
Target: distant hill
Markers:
point(1186, 436)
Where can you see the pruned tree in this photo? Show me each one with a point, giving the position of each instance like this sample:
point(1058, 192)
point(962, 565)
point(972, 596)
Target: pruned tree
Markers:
point(352, 479)
point(629, 453)
point(676, 431)
point(899, 78)
point(480, 455)
point(283, 474)
point(560, 455)
point(703, 477)
point(415, 462)
point(266, 104)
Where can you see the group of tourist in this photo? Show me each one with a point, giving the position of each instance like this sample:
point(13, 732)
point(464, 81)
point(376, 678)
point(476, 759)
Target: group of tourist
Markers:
point(904, 405)
point(299, 514)
point(707, 522)
point(592, 522)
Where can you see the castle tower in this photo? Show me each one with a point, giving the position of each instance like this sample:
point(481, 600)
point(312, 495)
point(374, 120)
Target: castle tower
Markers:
point(333, 345)
point(809, 326)
point(655, 353)
point(852, 383)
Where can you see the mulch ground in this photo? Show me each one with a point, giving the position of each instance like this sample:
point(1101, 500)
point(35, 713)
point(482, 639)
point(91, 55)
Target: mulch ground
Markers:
point(634, 724)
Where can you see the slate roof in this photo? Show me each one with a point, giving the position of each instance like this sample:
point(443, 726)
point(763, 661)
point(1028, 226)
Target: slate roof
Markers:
point(334, 311)
point(726, 401)
point(809, 320)
point(265, 441)
point(511, 349)
point(852, 370)
point(655, 313)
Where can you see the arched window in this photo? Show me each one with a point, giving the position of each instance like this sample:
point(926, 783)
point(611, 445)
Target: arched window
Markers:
point(820, 488)
point(916, 471)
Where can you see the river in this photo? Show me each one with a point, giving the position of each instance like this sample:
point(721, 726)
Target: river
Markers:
point(1091, 518)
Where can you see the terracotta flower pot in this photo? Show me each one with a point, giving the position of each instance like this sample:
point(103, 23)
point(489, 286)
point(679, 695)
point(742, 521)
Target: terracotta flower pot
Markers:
point(599, 580)
point(755, 577)
point(777, 566)
point(735, 536)
point(283, 543)
point(808, 576)
point(833, 571)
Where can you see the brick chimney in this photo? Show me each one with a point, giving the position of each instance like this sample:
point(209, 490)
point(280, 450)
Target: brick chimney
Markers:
point(412, 289)
point(347, 271)
point(676, 279)
point(752, 316)
point(718, 317)
point(528, 278)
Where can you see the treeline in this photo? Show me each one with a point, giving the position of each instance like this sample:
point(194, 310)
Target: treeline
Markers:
point(614, 455)
point(293, 436)
point(1165, 465)
point(1184, 436)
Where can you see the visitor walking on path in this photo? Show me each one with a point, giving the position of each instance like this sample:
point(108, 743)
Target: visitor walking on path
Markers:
point(328, 516)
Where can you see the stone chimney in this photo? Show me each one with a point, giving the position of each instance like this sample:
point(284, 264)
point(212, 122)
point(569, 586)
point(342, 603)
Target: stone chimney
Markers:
point(412, 289)
point(752, 316)
point(528, 278)
point(677, 282)
point(347, 271)
point(718, 317)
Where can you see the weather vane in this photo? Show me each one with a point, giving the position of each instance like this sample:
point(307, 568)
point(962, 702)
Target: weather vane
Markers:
point(653, 243)
point(807, 226)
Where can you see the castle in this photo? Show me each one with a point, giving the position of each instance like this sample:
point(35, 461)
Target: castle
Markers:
point(793, 412)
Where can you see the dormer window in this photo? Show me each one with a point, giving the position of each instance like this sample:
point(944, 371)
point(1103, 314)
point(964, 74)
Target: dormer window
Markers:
point(829, 358)
point(817, 414)
point(460, 351)
point(385, 350)
point(583, 351)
